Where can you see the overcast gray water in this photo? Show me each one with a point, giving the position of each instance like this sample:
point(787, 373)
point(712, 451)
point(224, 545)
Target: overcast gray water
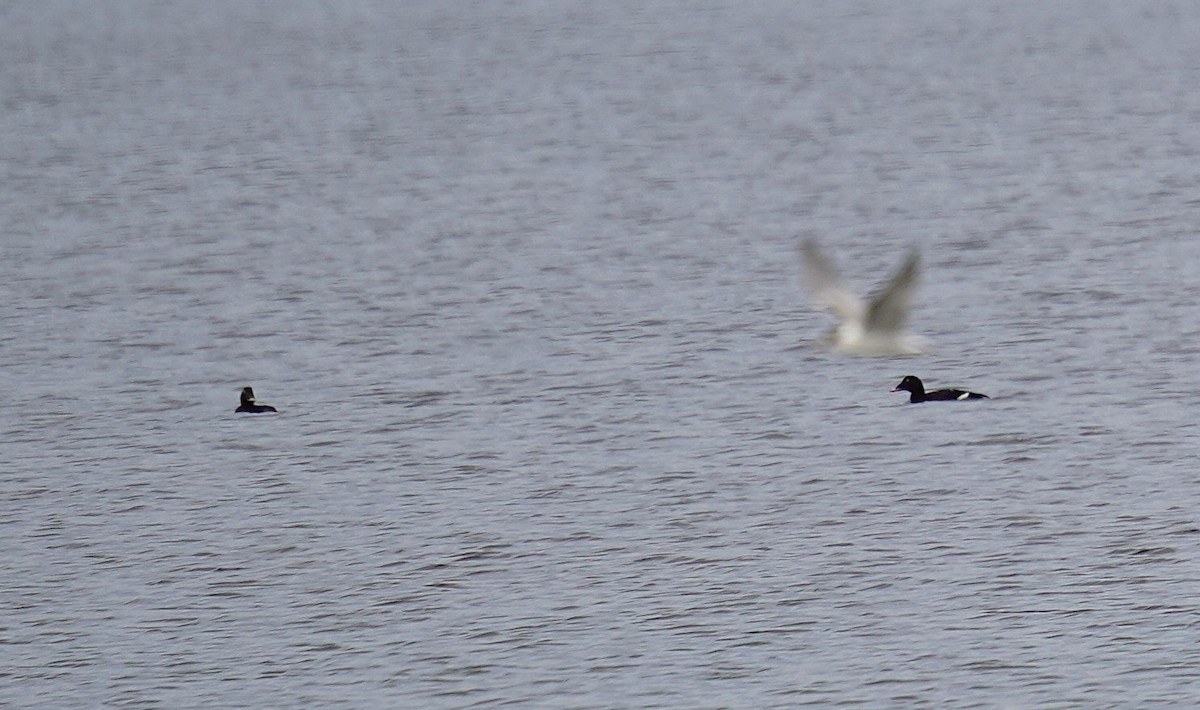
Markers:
point(554, 429)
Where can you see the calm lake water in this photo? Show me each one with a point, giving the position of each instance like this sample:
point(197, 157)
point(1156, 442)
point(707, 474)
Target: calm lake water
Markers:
point(554, 430)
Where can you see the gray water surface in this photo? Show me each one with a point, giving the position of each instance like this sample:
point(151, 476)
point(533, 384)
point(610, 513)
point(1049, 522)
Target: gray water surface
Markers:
point(555, 429)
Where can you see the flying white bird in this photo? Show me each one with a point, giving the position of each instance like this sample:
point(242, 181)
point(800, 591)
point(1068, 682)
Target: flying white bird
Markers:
point(873, 327)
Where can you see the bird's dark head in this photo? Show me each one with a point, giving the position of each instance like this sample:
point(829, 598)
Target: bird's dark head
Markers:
point(910, 383)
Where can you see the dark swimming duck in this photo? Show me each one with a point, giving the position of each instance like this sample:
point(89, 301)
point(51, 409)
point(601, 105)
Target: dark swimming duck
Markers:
point(913, 385)
point(249, 406)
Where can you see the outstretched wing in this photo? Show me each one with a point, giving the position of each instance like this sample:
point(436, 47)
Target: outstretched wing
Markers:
point(827, 284)
point(888, 310)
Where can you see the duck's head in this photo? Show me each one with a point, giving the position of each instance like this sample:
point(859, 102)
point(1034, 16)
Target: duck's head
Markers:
point(910, 383)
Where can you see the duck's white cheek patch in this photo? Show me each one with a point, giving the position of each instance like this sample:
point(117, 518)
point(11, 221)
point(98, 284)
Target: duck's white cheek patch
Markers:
point(964, 395)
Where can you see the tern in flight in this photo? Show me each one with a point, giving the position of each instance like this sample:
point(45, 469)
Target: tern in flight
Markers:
point(871, 327)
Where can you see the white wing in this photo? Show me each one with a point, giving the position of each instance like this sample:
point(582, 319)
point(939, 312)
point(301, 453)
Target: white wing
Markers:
point(828, 285)
point(888, 310)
